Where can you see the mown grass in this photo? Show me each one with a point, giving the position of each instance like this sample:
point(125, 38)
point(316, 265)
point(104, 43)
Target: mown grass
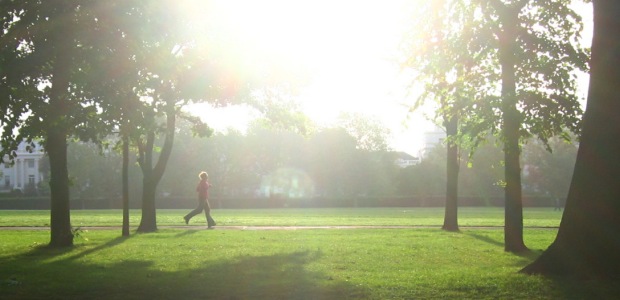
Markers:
point(468, 216)
point(188, 263)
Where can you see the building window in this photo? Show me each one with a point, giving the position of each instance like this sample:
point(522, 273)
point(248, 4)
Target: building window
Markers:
point(30, 163)
point(31, 180)
point(7, 181)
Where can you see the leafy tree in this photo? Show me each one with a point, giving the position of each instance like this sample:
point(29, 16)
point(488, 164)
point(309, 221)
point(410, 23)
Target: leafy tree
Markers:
point(483, 176)
point(278, 110)
point(369, 133)
point(226, 157)
point(538, 87)
point(173, 73)
point(46, 53)
point(530, 50)
point(428, 176)
point(549, 172)
point(82, 160)
point(442, 66)
point(587, 244)
point(118, 80)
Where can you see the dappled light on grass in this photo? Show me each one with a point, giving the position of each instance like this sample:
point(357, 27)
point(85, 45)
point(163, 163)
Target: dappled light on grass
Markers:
point(308, 264)
point(172, 266)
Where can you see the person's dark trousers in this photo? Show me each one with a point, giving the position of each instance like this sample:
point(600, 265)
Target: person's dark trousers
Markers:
point(203, 204)
point(210, 220)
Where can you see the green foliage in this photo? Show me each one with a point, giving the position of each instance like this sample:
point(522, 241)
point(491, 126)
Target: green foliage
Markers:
point(369, 133)
point(427, 178)
point(484, 175)
point(279, 111)
point(550, 173)
point(244, 165)
point(95, 172)
point(238, 164)
point(30, 49)
point(455, 54)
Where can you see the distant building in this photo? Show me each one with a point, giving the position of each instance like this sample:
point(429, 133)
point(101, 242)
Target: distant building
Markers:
point(24, 173)
point(432, 139)
point(404, 160)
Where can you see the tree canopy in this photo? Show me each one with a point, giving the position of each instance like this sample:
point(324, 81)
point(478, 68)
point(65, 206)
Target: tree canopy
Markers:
point(502, 67)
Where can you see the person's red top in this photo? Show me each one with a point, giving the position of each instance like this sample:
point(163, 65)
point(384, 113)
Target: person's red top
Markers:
point(203, 189)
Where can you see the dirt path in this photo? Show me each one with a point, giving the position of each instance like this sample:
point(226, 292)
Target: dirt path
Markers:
point(194, 227)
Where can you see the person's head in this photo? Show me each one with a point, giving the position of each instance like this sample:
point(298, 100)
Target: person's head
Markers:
point(203, 175)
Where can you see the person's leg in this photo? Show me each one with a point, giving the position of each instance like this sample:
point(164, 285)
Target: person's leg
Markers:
point(194, 212)
point(210, 221)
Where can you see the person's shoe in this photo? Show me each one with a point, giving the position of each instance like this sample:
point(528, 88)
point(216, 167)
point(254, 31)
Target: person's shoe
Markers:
point(186, 220)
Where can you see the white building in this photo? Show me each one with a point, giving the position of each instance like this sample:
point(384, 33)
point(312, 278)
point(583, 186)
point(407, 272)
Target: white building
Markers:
point(406, 160)
point(432, 139)
point(24, 172)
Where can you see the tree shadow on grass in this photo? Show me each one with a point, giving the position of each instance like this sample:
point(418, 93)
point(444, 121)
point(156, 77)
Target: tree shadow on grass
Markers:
point(567, 288)
point(280, 276)
point(277, 276)
point(531, 254)
point(526, 257)
point(186, 232)
point(555, 287)
point(558, 287)
point(47, 252)
point(114, 242)
point(483, 238)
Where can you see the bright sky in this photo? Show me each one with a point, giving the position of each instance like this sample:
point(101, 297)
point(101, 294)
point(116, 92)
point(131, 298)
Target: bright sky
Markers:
point(348, 49)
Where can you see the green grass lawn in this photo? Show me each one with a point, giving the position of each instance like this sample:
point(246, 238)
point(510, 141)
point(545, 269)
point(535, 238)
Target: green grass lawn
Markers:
point(412, 263)
point(411, 216)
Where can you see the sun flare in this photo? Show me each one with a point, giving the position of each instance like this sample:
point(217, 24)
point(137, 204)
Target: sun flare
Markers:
point(342, 53)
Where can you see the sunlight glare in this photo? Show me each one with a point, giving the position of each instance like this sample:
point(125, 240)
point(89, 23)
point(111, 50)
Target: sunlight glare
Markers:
point(343, 52)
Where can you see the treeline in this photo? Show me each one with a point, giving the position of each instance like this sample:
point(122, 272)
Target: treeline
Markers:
point(282, 164)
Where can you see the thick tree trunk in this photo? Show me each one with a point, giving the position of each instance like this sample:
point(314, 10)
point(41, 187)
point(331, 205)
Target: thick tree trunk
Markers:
point(513, 228)
point(60, 216)
point(148, 222)
point(56, 143)
point(450, 220)
point(588, 243)
point(513, 213)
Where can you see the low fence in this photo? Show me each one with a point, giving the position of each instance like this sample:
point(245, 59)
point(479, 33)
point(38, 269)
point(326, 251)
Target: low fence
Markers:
point(43, 203)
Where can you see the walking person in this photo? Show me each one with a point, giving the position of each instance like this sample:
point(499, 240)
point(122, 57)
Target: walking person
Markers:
point(203, 200)
point(558, 204)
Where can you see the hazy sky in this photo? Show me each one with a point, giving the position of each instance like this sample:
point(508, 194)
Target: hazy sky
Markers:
point(347, 49)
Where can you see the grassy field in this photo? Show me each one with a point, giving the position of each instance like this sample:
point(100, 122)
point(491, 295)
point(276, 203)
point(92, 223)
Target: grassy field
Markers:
point(468, 216)
point(187, 263)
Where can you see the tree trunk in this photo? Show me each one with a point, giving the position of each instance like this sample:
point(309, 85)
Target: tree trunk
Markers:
point(152, 175)
point(513, 228)
point(125, 179)
point(587, 244)
point(60, 213)
point(148, 222)
point(56, 143)
point(450, 220)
